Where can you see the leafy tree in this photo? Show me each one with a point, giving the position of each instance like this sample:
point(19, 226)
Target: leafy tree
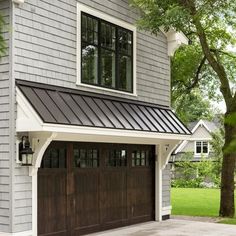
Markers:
point(210, 25)
point(2, 41)
point(192, 106)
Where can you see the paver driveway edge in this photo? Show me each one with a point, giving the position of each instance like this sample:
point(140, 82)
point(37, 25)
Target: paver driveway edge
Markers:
point(173, 227)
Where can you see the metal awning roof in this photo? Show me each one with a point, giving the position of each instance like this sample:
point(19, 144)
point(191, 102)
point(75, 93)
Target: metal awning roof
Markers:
point(58, 105)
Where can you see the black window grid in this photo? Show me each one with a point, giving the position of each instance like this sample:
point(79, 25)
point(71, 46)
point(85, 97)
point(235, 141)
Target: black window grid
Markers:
point(54, 158)
point(86, 158)
point(117, 158)
point(117, 51)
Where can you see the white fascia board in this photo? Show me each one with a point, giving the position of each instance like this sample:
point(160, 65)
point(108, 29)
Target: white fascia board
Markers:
point(110, 132)
point(175, 40)
point(200, 122)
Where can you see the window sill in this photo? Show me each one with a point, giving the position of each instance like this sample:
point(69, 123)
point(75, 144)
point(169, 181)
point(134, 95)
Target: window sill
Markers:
point(134, 94)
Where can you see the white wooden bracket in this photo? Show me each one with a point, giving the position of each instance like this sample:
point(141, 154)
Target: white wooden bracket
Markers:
point(175, 40)
point(39, 145)
point(18, 1)
point(166, 151)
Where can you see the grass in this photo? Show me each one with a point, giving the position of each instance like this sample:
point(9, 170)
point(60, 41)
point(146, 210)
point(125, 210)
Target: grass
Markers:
point(197, 202)
point(228, 221)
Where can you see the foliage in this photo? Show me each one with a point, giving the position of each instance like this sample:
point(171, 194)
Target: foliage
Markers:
point(229, 221)
point(192, 106)
point(2, 41)
point(217, 144)
point(211, 27)
point(190, 174)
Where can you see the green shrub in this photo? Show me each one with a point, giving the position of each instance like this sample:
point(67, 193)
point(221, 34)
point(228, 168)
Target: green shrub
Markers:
point(200, 174)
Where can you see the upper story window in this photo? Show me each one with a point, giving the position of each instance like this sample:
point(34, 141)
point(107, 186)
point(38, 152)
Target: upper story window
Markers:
point(201, 147)
point(107, 55)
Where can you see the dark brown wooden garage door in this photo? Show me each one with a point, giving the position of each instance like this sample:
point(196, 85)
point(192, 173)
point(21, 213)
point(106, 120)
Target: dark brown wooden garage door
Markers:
point(88, 187)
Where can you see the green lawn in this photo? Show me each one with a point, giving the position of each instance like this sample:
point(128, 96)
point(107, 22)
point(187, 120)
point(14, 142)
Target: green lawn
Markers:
point(197, 202)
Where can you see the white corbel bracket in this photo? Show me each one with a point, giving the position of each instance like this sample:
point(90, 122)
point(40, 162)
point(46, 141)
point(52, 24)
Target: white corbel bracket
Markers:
point(18, 1)
point(175, 40)
point(39, 145)
point(166, 151)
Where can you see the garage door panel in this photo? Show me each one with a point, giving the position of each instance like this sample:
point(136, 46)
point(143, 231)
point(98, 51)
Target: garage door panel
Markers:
point(89, 187)
point(87, 199)
point(52, 203)
point(113, 196)
point(141, 194)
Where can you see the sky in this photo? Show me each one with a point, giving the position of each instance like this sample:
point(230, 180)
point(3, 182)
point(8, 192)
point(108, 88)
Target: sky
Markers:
point(220, 105)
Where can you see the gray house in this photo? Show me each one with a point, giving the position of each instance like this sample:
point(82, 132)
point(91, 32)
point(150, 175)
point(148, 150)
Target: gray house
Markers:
point(199, 142)
point(88, 95)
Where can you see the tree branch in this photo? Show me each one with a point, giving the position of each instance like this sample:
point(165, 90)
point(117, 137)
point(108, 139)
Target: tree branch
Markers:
point(196, 78)
point(224, 53)
point(215, 64)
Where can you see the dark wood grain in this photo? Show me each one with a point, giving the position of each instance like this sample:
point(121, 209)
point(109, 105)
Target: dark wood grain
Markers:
point(77, 200)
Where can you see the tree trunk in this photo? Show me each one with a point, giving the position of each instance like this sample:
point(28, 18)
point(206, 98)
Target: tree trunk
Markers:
point(227, 208)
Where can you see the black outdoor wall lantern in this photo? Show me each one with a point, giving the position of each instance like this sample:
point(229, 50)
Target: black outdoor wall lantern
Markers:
point(25, 152)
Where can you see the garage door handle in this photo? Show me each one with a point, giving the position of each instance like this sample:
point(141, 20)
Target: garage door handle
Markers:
point(132, 210)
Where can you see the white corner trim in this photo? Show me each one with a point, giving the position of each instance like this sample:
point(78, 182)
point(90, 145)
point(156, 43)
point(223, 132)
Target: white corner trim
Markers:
point(111, 19)
point(175, 40)
point(166, 210)
point(25, 233)
point(158, 185)
point(18, 2)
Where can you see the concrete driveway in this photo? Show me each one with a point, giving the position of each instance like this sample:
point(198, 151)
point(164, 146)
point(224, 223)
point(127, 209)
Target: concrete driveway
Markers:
point(173, 227)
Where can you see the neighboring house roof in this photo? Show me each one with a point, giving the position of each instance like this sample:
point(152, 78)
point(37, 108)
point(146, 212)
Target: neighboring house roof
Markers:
point(59, 105)
point(210, 126)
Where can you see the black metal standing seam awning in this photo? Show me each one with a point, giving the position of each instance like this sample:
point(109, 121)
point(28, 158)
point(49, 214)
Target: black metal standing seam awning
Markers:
point(58, 105)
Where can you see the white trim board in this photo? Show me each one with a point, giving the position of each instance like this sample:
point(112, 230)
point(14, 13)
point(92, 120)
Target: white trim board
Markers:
point(25, 233)
point(200, 123)
point(166, 210)
point(115, 21)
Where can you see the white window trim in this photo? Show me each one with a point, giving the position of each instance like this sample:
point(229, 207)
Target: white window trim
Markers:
point(195, 148)
point(83, 8)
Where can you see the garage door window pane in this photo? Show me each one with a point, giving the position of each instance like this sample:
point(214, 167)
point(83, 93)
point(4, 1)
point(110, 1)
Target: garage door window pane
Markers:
point(117, 158)
point(86, 158)
point(140, 158)
point(54, 158)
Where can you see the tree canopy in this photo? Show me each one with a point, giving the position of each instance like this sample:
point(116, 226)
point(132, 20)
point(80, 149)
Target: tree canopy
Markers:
point(210, 26)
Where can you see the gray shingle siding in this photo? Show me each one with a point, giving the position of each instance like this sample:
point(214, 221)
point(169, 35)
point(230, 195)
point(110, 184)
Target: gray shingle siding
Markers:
point(166, 186)
point(46, 47)
point(5, 187)
point(45, 51)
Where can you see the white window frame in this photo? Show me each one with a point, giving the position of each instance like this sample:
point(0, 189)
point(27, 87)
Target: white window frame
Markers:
point(82, 8)
point(195, 148)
